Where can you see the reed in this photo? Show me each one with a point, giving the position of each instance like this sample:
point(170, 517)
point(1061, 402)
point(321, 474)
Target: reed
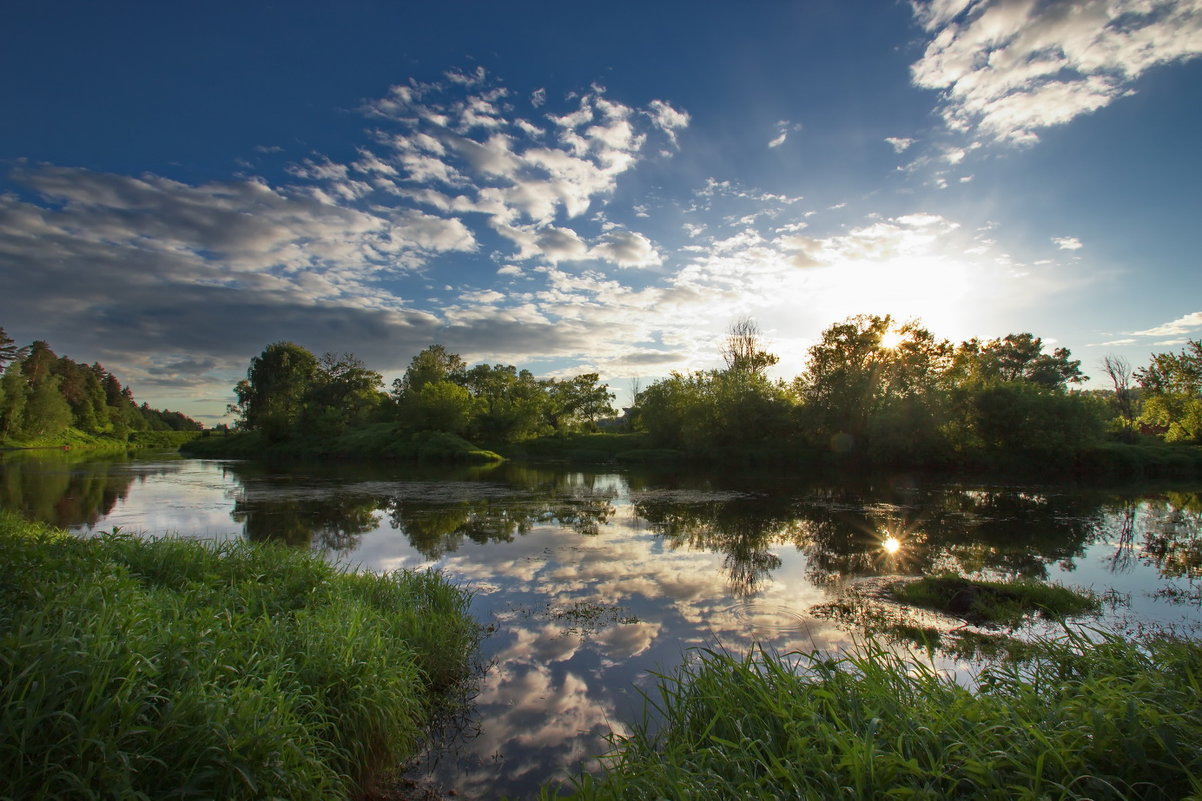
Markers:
point(1089, 717)
point(134, 668)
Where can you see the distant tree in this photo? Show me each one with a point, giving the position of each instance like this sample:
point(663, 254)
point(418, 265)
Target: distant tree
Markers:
point(278, 381)
point(743, 352)
point(14, 392)
point(1118, 370)
point(8, 349)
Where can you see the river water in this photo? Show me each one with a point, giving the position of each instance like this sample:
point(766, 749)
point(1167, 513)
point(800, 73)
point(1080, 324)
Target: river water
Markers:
point(591, 581)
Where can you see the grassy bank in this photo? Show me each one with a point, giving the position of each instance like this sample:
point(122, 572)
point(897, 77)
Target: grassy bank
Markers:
point(74, 439)
point(172, 669)
point(1079, 720)
point(376, 442)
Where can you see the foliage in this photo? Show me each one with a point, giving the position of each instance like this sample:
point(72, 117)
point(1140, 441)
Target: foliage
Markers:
point(1172, 383)
point(49, 399)
point(170, 668)
point(1083, 718)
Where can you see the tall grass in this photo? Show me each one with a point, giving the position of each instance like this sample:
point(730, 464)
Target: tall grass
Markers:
point(1083, 720)
point(173, 669)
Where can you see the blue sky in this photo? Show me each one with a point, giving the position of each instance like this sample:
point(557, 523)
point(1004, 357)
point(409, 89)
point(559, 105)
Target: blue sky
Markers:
point(576, 188)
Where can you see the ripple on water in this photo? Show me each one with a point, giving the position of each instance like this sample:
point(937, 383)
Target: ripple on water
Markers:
point(768, 619)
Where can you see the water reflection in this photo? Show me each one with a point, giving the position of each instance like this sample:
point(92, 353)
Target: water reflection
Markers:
point(592, 580)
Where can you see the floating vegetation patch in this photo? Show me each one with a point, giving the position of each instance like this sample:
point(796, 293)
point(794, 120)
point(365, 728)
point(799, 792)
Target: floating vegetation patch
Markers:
point(995, 603)
point(585, 617)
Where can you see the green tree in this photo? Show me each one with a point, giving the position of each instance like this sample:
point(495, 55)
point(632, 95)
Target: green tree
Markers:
point(511, 403)
point(46, 413)
point(435, 363)
point(1172, 384)
point(438, 406)
point(1018, 357)
point(13, 395)
point(8, 349)
point(577, 401)
point(343, 393)
point(272, 397)
point(873, 386)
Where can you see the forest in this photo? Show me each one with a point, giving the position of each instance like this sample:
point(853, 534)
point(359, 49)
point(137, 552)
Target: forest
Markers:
point(45, 398)
point(874, 390)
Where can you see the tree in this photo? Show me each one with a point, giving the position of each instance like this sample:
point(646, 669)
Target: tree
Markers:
point(511, 402)
point(13, 395)
point(47, 413)
point(277, 385)
point(576, 401)
point(1118, 370)
point(8, 349)
point(1018, 357)
point(435, 363)
point(343, 392)
point(1172, 383)
point(872, 384)
point(742, 349)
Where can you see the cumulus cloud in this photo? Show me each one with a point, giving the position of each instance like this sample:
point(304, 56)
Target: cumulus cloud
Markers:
point(628, 249)
point(1067, 242)
point(1007, 68)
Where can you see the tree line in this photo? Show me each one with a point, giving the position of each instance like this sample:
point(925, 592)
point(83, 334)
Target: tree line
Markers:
point(43, 395)
point(873, 387)
point(894, 392)
point(289, 392)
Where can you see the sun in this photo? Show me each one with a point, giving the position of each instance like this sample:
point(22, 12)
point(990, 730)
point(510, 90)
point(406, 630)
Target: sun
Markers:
point(891, 545)
point(892, 338)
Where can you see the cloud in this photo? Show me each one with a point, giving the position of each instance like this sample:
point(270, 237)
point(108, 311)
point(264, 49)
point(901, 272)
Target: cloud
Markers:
point(783, 129)
point(1007, 68)
point(900, 144)
point(1067, 242)
point(628, 249)
point(1178, 327)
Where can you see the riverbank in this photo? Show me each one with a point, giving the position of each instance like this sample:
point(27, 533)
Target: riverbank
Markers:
point(376, 442)
point(172, 668)
point(1084, 717)
point(1114, 461)
point(74, 439)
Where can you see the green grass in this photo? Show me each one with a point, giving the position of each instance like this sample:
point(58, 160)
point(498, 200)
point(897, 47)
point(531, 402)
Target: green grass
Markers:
point(1085, 718)
point(1006, 603)
point(174, 669)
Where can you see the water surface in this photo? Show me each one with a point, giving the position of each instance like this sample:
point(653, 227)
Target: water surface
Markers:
point(590, 581)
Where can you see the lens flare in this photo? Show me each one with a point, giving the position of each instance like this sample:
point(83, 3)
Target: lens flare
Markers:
point(891, 545)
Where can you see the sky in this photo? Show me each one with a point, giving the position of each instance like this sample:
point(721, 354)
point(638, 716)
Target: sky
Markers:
point(578, 188)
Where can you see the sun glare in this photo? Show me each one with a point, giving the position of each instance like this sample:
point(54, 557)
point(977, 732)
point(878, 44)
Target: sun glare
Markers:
point(891, 339)
point(891, 545)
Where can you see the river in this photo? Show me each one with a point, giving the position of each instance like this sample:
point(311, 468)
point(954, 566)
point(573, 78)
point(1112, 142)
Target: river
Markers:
point(590, 581)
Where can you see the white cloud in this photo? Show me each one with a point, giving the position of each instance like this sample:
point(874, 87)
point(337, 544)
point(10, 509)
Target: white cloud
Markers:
point(627, 249)
point(900, 143)
point(1067, 242)
point(1007, 68)
point(1180, 326)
